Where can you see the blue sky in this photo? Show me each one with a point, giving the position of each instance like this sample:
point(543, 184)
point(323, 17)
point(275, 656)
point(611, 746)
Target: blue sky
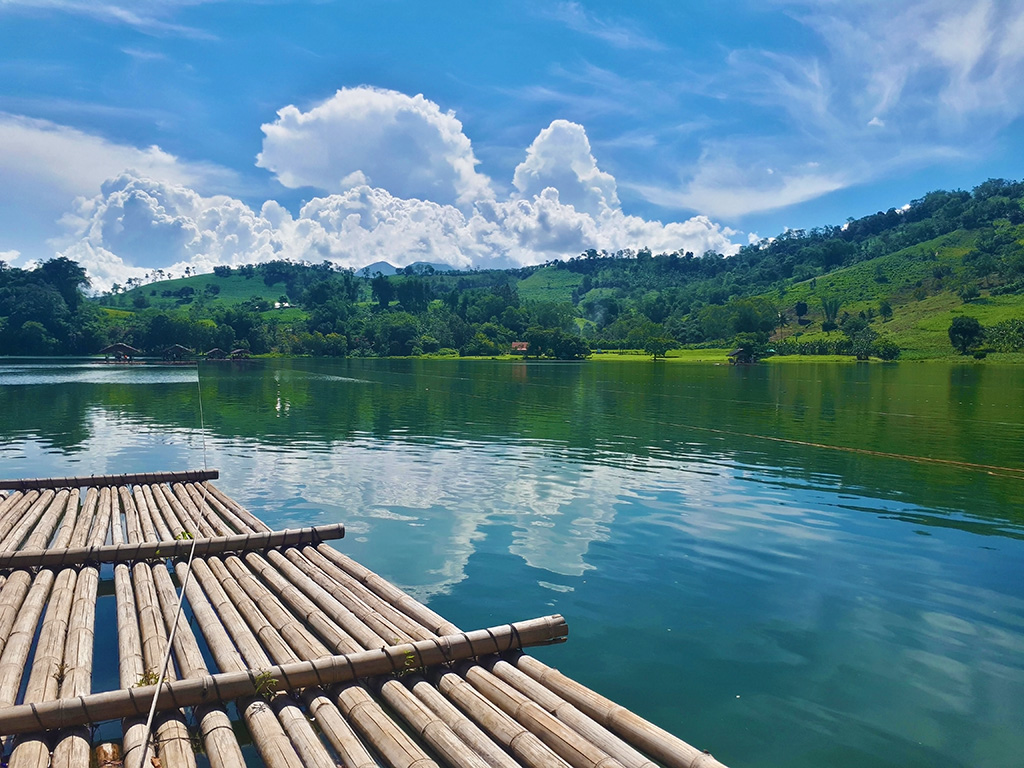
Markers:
point(174, 133)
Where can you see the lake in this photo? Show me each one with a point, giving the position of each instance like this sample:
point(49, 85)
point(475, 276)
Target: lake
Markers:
point(786, 564)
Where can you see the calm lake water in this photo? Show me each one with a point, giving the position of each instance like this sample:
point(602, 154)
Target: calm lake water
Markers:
point(797, 565)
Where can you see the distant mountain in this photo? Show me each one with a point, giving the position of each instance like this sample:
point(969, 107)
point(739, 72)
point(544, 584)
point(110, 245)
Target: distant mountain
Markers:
point(419, 267)
point(378, 266)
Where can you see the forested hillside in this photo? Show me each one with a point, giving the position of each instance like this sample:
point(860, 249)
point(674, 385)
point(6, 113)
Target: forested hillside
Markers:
point(871, 286)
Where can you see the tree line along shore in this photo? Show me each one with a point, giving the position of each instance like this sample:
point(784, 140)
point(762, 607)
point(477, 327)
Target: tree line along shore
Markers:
point(942, 277)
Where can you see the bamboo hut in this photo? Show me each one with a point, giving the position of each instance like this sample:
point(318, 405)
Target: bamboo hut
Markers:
point(122, 353)
point(320, 661)
point(239, 354)
point(177, 353)
point(216, 354)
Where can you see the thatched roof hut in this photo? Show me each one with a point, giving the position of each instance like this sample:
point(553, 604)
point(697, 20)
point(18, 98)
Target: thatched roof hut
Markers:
point(216, 354)
point(120, 351)
point(239, 354)
point(177, 352)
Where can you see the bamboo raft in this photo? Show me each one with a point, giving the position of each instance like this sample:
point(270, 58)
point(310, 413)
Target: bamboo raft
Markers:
point(319, 660)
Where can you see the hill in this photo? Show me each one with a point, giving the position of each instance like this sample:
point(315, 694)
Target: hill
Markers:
point(895, 280)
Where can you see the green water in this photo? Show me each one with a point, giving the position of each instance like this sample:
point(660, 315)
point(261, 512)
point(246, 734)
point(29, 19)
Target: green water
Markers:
point(751, 558)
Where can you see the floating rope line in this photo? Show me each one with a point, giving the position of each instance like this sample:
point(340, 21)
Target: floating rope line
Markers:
point(147, 733)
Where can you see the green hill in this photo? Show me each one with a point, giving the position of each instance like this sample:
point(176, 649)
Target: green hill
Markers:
point(887, 284)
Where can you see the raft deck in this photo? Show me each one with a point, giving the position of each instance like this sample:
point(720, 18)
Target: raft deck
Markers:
point(325, 662)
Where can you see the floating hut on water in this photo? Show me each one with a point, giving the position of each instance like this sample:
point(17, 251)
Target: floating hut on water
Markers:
point(216, 354)
point(240, 354)
point(177, 353)
point(322, 662)
point(123, 353)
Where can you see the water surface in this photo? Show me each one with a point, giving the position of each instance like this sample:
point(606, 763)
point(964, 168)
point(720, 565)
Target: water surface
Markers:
point(784, 564)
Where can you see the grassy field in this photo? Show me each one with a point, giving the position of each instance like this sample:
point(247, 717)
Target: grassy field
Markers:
point(231, 290)
point(673, 355)
point(921, 284)
point(549, 284)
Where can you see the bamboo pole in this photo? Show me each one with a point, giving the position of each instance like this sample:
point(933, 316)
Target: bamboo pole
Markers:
point(448, 732)
point(131, 663)
point(354, 700)
point(10, 510)
point(512, 734)
point(300, 745)
point(16, 586)
point(584, 708)
point(326, 670)
point(48, 665)
point(334, 727)
point(26, 615)
point(214, 724)
point(168, 549)
point(272, 622)
point(27, 514)
point(73, 749)
point(172, 736)
point(96, 481)
point(633, 730)
point(661, 744)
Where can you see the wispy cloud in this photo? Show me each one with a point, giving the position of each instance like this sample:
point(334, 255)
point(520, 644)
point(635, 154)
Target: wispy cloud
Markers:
point(618, 33)
point(888, 90)
point(152, 16)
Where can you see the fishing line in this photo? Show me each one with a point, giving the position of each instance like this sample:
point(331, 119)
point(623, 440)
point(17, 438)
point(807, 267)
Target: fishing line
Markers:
point(184, 585)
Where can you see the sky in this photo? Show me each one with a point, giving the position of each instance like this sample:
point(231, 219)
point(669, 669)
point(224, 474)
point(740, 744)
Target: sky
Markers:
point(167, 134)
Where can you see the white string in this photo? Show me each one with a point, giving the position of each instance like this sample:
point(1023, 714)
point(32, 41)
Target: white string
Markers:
point(181, 596)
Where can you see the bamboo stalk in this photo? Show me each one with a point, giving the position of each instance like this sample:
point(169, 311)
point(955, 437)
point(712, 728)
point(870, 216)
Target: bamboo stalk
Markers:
point(300, 736)
point(11, 509)
point(268, 735)
point(286, 640)
point(48, 665)
point(292, 676)
point(442, 736)
point(443, 730)
point(662, 745)
point(524, 740)
point(635, 731)
point(504, 729)
point(97, 481)
point(26, 614)
point(129, 640)
point(16, 586)
point(338, 732)
point(214, 724)
point(168, 549)
point(73, 749)
point(172, 737)
point(28, 512)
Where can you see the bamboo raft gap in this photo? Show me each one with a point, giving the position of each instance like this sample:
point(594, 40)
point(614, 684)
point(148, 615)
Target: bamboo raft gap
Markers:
point(325, 662)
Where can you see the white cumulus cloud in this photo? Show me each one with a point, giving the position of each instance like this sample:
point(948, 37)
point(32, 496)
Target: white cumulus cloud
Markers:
point(562, 204)
point(560, 157)
point(381, 138)
point(45, 166)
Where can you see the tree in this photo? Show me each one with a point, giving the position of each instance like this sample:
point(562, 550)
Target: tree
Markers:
point(965, 333)
point(885, 310)
point(862, 337)
point(67, 277)
point(800, 308)
point(830, 306)
point(382, 289)
point(657, 346)
point(969, 292)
